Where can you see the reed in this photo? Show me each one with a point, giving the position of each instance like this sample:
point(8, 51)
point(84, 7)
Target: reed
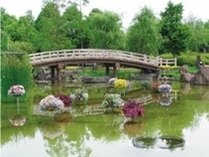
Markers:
point(15, 70)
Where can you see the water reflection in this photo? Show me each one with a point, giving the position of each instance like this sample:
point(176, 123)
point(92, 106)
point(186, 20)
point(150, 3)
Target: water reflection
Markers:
point(164, 142)
point(132, 129)
point(17, 120)
point(165, 100)
point(89, 135)
point(52, 130)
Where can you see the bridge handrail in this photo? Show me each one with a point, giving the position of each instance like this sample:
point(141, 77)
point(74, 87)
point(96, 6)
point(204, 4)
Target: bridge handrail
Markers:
point(99, 54)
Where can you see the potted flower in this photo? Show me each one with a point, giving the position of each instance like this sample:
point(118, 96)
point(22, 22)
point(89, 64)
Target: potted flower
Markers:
point(132, 109)
point(120, 85)
point(17, 91)
point(111, 101)
point(51, 103)
point(164, 88)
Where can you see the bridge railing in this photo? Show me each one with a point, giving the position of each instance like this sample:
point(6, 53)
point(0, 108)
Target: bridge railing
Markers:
point(98, 54)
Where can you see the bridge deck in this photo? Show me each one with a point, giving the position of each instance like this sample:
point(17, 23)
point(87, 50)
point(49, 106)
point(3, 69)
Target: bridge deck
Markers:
point(77, 56)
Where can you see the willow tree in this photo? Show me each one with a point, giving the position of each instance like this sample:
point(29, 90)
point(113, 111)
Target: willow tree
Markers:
point(143, 35)
point(106, 30)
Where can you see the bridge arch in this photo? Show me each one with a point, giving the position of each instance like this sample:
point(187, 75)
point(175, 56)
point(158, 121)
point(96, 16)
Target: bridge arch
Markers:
point(60, 58)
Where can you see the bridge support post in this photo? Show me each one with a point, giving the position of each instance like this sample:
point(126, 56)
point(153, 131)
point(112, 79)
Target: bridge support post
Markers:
point(52, 74)
point(114, 71)
point(59, 67)
point(107, 70)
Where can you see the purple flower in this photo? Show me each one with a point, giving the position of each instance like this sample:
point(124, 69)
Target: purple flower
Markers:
point(132, 109)
point(164, 88)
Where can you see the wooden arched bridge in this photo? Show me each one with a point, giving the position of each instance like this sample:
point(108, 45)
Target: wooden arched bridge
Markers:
point(108, 58)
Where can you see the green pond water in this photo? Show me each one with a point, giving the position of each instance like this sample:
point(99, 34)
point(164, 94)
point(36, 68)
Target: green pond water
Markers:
point(98, 134)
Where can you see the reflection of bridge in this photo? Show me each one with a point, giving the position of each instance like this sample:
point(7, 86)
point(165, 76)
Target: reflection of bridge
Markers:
point(109, 58)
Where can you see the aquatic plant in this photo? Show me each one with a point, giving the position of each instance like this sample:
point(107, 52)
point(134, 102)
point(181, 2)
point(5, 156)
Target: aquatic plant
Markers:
point(15, 70)
point(132, 109)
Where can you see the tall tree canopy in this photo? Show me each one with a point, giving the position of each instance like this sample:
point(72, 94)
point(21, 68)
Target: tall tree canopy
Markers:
point(175, 34)
point(105, 30)
point(48, 24)
point(75, 28)
point(143, 36)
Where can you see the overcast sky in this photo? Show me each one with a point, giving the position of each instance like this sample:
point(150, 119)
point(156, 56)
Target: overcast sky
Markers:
point(126, 8)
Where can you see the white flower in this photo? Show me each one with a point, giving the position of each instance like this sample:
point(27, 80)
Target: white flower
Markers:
point(51, 103)
point(85, 96)
point(16, 90)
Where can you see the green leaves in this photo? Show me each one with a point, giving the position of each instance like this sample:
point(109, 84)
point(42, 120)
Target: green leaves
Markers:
point(175, 34)
point(143, 36)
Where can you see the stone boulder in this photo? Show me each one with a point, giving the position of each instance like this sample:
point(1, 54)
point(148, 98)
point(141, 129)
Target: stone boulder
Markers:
point(185, 75)
point(201, 77)
point(184, 69)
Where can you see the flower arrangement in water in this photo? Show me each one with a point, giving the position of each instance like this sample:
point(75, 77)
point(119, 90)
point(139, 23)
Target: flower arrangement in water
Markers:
point(65, 99)
point(16, 90)
point(164, 88)
point(132, 109)
point(112, 100)
point(79, 96)
point(120, 84)
point(51, 103)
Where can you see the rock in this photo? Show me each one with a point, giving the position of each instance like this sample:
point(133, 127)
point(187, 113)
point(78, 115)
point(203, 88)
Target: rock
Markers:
point(202, 76)
point(184, 69)
point(186, 77)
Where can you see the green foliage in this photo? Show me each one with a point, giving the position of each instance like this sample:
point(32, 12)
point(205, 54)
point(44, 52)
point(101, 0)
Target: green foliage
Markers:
point(75, 28)
point(48, 24)
point(105, 30)
point(175, 34)
point(4, 41)
point(15, 70)
point(144, 33)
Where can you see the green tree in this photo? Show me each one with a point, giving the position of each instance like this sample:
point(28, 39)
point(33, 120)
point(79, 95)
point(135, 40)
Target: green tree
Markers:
point(198, 40)
point(80, 3)
point(206, 46)
point(144, 36)
point(106, 30)
point(49, 23)
point(9, 24)
point(175, 34)
point(75, 28)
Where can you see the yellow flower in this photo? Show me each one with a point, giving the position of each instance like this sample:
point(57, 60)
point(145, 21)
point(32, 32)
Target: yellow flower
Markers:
point(120, 84)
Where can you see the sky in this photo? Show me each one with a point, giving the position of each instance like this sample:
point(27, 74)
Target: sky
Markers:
point(127, 9)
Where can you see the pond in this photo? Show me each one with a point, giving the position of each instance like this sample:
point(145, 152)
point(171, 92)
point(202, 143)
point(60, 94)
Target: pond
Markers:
point(176, 130)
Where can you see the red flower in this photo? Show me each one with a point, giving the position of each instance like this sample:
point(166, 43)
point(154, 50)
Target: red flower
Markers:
point(133, 109)
point(65, 99)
